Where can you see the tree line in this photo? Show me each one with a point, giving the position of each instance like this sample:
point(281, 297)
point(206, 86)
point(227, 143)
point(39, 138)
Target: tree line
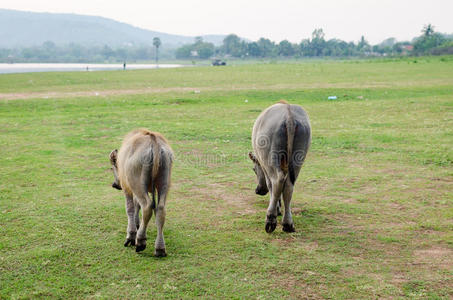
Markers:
point(429, 42)
point(74, 53)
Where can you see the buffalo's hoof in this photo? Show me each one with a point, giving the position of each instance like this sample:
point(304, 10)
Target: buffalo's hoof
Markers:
point(288, 228)
point(116, 186)
point(140, 244)
point(271, 223)
point(129, 242)
point(140, 248)
point(160, 253)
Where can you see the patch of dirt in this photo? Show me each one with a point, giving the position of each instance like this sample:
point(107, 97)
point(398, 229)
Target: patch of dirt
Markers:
point(102, 93)
point(440, 257)
point(396, 206)
point(241, 200)
point(444, 179)
point(289, 240)
point(399, 278)
point(297, 210)
point(297, 288)
point(350, 201)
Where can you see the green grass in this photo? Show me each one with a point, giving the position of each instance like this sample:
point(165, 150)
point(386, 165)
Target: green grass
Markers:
point(432, 72)
point(372, 207)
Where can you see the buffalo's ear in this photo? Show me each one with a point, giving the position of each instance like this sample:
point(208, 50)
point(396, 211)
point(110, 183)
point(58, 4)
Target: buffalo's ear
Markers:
point(113, 156)
point(252, 157)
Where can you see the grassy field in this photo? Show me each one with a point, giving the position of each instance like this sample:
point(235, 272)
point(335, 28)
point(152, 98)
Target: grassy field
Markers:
point(373, 206)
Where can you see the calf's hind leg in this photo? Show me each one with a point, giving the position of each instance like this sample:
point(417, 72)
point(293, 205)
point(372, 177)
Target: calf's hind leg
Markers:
point(136, 213)
point(275, 191)
point(147, 212)
point(131, 227)
point(287, 222)
point(159, 246)
point(279, 207)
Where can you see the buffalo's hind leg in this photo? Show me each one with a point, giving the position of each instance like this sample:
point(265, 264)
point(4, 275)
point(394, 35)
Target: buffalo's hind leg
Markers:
point(147, 212)
point(146, 205)
point(275, 191)
point(159, 246)
point(136, 214)
point(131, 227)
point(279, 207)
point(287, 222)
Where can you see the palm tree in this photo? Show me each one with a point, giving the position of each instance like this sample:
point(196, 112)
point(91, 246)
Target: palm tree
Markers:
point(157, 43)
point(428, 30)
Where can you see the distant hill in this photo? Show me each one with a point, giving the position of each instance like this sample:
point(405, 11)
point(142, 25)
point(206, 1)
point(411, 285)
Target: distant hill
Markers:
point(20, 28)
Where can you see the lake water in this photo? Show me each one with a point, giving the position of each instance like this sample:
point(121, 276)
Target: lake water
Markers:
point(38, 67)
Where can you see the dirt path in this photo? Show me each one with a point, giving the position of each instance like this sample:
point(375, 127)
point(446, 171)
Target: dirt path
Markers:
point(104, 93)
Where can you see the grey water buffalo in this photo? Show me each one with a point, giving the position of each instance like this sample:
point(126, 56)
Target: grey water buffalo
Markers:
point(141, 167)
point(280, 139)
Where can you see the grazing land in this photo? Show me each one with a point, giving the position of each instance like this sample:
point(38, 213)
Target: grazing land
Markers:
point(373, 205)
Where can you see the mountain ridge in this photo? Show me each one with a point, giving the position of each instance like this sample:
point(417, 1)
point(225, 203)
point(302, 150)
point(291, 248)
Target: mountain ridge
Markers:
point(25, 28)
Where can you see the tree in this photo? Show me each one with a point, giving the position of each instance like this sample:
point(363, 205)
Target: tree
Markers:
point(428, 30)
point(183, 52)
point(316, 46)
point(388, 42)
point(285, 48)
point(428, 40)
point(304, 47)
point(203, 50)
point(363, 46)
point(266, 47)
point(232, 45)
point(253, 49)
point(317, 42)
point(157, 43)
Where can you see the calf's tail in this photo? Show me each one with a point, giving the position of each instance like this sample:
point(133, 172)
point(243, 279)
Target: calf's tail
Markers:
point(290, 132)
point(155, 148)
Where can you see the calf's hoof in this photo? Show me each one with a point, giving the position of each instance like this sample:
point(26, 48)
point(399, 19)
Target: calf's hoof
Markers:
point(160, 253)
point(140, 245)
point(129, 242)
point(289, 228)
point(140, 248)
point(271, 224)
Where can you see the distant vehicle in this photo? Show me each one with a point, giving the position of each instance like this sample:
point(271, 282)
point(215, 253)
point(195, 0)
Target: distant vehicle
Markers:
point(218, 62)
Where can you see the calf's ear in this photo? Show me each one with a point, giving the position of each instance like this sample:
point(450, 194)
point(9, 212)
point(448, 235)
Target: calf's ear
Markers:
point(113, 156)
point(252, 157)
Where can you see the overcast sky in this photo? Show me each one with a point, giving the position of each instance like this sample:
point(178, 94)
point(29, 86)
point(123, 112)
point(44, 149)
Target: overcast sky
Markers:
point(278, 20)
